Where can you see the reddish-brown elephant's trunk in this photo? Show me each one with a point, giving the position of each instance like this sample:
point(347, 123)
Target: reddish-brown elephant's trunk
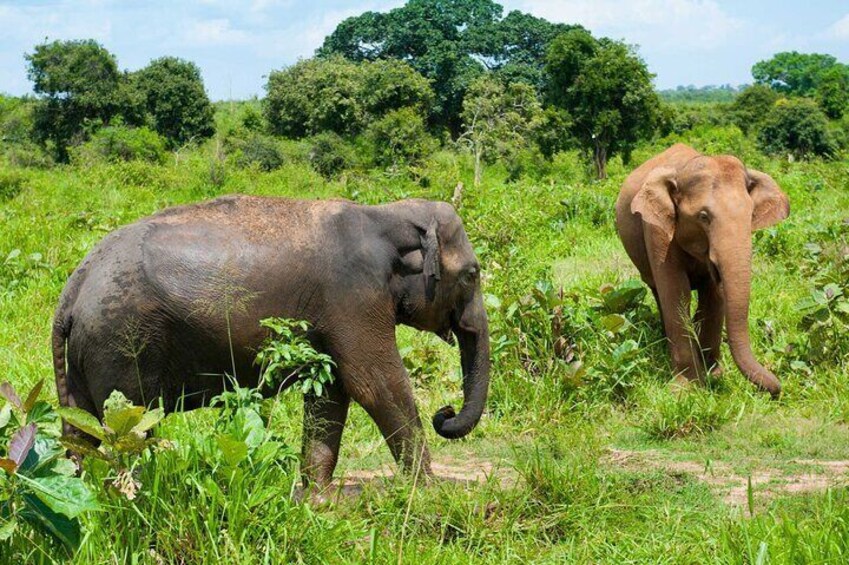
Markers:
point(735, 268)
point(473, 338)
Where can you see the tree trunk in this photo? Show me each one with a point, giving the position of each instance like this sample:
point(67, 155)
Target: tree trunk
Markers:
point(600, 161)
point(478, 165)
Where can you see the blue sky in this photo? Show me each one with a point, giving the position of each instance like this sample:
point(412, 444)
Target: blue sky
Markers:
point(237, 43)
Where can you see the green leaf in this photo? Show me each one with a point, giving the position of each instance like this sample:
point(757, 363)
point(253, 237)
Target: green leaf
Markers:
point(66, 495)
point(7, 529)
point(123, 419)
point(149, 420)
point(614, 322)
point(233, 450)
point(81, 446)
point(33, 396)
point(82, 420)
point(41, 412)
point(625, 297)
point(40, 516)
point(5, 415)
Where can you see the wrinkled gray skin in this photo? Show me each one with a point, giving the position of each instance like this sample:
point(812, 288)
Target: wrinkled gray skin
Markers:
point(146, 312)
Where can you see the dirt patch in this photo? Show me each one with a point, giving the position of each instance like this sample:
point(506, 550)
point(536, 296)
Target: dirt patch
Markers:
point(469, 471)
point(767, 482)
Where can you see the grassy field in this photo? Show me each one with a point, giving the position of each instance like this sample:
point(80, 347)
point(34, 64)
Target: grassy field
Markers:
point(583, 455)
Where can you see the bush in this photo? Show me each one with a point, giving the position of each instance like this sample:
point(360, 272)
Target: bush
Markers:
point(337, 95)
point(120, 143)
point(399, 139)
point(258, 150)
point(752, 107)
point(11, 183)
point(330, 155)
point(797, 127)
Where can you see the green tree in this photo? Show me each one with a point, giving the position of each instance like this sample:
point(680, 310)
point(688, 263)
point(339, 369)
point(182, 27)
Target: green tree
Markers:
point(337, 95)
point(752, 106)
point(796, 127)
point(431, 35)
point(399, 139)
point(498, 120)
point(514, 48)
point(79, 87)
point(833, 91)
point(607, 91)
point(793, 72)
point(174, 99)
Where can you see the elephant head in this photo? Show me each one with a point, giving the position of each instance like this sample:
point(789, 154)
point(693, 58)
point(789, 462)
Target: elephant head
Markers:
point(436, 287)
point(709, 207)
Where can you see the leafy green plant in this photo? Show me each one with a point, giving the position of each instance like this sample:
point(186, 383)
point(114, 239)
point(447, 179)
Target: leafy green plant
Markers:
point(38, 486)
point(241, 433)
point(122, 436)
point(288, 357)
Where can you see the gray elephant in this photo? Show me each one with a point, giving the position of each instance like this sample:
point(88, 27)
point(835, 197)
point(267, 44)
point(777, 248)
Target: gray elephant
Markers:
point(686, 221)
point(153, 309)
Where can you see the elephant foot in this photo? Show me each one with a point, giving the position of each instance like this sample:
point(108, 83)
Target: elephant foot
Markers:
point(681, 384)
point(715, 371)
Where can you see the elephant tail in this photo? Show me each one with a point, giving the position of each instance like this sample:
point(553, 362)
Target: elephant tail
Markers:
point(62, 322)
point(61, 330)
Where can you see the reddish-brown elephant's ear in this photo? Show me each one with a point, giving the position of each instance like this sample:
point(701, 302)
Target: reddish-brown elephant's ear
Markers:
point(654, 204)
point(770, 204)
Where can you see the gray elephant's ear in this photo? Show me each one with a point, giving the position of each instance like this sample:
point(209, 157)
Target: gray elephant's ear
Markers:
point(430, 250)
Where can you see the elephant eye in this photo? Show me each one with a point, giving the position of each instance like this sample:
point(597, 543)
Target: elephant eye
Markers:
point(704, 216)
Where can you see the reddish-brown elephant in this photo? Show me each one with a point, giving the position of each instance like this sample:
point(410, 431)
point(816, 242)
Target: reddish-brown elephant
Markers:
point(686, 221)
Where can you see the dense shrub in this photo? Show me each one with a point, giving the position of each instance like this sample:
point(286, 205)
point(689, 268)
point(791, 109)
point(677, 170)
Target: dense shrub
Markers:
point(752, 106)
point(796, 127)
point(329, 154)
point(121, 143)
point(399, 138)
point(334, 94)
point(257, 150)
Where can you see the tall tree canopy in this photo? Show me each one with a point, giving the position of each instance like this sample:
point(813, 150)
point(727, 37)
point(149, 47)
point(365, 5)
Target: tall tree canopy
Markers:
point(78, 83)
point(174, 98)
point(793, 72)
point(607, 91)
point(451, 42)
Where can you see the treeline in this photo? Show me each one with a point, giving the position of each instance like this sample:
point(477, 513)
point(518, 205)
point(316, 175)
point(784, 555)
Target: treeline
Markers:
point(387, 89)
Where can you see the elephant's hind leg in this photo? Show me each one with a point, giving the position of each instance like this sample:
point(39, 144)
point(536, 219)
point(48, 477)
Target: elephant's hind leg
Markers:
point(324, 420)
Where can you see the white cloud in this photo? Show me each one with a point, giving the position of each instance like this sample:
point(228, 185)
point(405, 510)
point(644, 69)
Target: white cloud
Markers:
point(700, 24)
point(840, 29)
point(217, 31)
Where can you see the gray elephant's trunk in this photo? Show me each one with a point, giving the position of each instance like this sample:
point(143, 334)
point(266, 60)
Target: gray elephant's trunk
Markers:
point(735, 267)
point(473, 339)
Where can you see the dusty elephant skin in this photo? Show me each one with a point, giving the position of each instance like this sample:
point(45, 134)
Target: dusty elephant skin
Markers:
point(153, 309)
point(686, 221)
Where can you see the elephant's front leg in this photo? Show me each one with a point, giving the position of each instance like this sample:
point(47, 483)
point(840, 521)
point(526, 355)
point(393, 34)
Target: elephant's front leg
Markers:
point(673, 293)
point(324, 420)
point(383, 388)
point(710, 318)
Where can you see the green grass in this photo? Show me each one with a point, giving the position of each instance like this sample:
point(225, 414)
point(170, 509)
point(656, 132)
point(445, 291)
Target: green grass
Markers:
point(557, 491)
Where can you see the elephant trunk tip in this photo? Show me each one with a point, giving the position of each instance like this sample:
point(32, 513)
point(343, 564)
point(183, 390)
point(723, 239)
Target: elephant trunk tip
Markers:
point(447, 424)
